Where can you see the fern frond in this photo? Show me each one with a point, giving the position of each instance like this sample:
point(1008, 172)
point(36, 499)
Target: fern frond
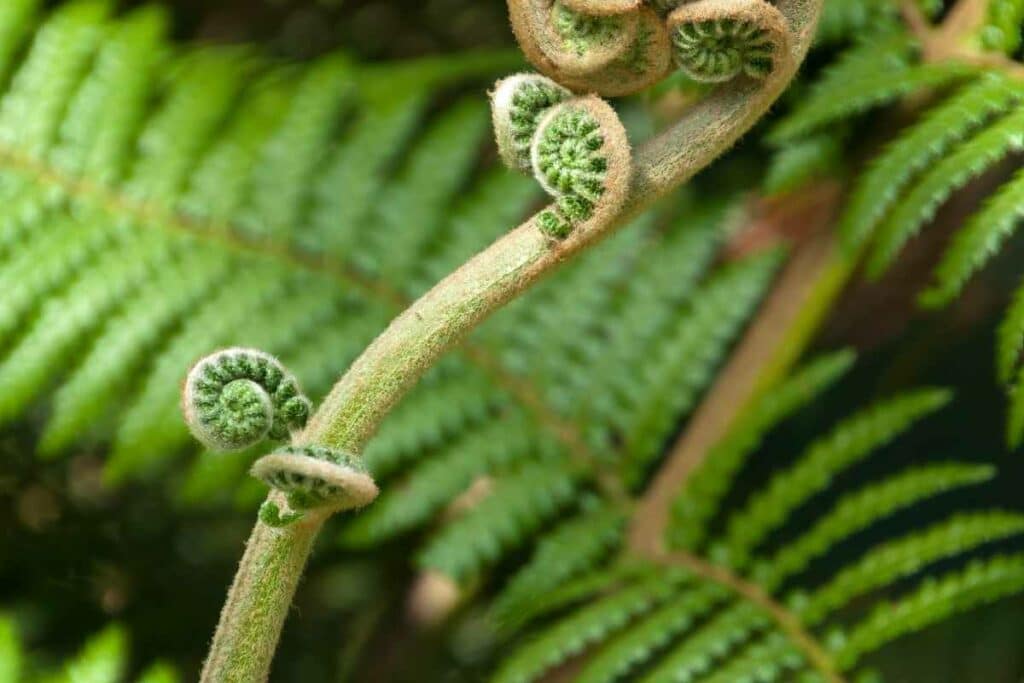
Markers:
point(520, 504)
point(977, 242)
point(851, 441)
point(430, 417)
point(590, 586)
point(905, 557)
point(859, 510)
point(710, 644)
point(941, 128)
point(969, 160)
point(144, 187)
point(981, 583)
point(763, 661)
point(685, 360)
point(698, 502)
point(568, 551)
point(594, 624)
point(872, 74)
point(440, 479)
point(651, 634)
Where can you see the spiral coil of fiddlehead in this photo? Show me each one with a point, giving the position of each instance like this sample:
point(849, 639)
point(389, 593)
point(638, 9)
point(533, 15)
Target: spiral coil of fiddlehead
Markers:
point(236, 398)
point(580, 155)
point(612, 48)
point(717, 40)
point(617, 47)
point(576, 148)
point(312, 477)
point(517, 105)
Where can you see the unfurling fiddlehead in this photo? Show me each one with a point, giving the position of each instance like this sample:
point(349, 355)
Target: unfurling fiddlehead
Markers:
point(236, 398)
point(313, 477)
point(517, 105)
point(717, 40)
point(611, 48)
point(575, 147)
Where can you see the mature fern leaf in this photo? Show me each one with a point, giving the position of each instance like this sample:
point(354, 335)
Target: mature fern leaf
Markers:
point(849, 442)
point(439, 480)
point(571, 549)
point(518, 507)
point(859, 510)
point(651, 634)
point(761, 662)
point(979, 240)
point(983, 582)
point(742, 616)
point(594, 624)
point(968, 161)
point(710, 644)
point(940, 130)
point(696, 505)
point(147, 219)
point(904, 557)
point(872, 74)
point(687, 359)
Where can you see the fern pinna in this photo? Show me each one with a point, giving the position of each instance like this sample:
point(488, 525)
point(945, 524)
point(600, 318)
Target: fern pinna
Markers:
point(970, 124)
point(159, 204)
point(732, 598)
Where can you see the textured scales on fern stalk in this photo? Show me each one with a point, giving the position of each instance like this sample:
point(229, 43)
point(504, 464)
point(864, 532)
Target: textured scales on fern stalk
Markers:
point(351, 414)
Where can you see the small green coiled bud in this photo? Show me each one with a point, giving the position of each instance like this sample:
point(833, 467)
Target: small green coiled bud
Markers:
point(581, 157)
point(517, 105)
point(236, 398)
point(610, 47)
point(312, 477)
point(717, 40)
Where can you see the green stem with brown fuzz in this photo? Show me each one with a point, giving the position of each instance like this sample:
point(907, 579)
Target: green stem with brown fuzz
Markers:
point(258, 601)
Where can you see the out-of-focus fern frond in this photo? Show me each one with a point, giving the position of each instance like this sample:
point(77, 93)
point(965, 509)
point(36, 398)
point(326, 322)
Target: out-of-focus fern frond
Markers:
point(745, 611)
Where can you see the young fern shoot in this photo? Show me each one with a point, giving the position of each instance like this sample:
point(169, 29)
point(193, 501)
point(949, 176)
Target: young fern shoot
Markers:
point(573, 143)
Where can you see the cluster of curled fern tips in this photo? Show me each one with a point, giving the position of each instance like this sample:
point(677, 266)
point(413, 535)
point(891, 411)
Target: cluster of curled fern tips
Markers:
point(572, 143)
point(235, 398)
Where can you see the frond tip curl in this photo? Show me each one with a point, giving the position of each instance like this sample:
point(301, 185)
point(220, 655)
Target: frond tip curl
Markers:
point(611, 48)
point(580, 156)
point(576, 148)
point(235, 398)
point(313, 477)
point(717, 40)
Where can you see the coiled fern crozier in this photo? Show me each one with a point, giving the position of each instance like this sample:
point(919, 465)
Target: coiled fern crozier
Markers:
point(243, 206)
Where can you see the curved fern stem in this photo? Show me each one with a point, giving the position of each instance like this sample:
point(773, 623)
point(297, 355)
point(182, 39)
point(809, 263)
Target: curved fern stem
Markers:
point(258, 601)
